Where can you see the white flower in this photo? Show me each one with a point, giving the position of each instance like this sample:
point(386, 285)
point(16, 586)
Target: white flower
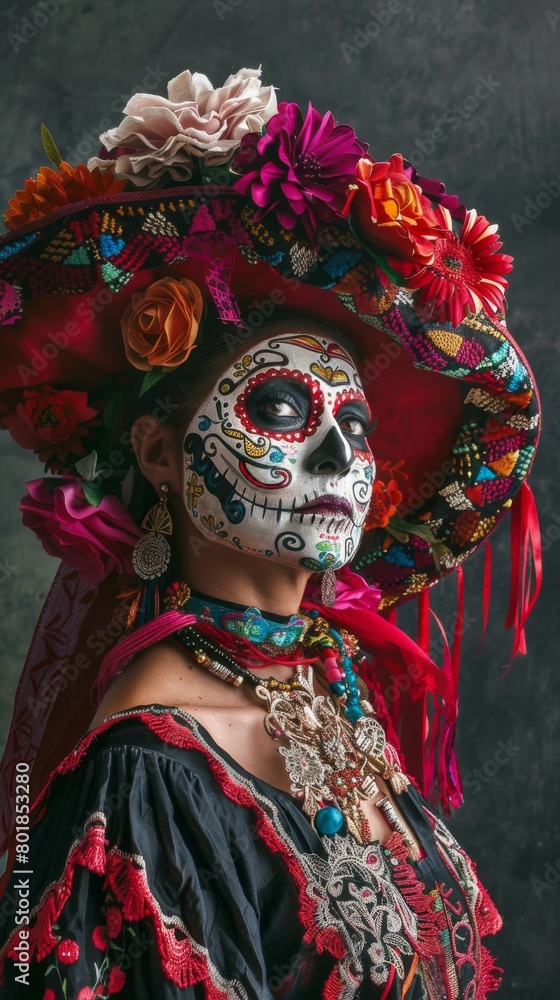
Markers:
point(166, 134)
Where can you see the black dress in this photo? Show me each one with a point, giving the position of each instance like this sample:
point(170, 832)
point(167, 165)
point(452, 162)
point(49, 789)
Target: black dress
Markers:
point(159, 867)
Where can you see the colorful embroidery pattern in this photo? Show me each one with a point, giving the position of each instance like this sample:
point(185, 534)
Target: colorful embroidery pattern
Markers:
point(459, 503)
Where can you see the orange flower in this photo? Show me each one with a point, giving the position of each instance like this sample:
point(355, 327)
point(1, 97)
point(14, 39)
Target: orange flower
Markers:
point(390, 211)
point(53, 188)
point(160, 324)
point(383, 505)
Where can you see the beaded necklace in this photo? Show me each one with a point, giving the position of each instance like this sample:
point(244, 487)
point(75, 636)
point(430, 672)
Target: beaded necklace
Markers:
point(336, 748)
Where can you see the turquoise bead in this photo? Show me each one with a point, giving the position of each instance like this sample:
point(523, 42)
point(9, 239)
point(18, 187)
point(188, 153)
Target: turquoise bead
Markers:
point(329, 819)
point(338, 687)
point(354, 712)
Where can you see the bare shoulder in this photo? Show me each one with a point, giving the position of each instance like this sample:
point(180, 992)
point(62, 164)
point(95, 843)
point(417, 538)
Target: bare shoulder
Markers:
point(153, 676)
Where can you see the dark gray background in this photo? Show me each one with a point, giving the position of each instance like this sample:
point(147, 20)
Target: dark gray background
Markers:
point(395, 91)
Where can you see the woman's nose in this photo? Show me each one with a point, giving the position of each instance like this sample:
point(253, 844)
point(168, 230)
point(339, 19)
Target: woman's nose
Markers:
point(333, 455)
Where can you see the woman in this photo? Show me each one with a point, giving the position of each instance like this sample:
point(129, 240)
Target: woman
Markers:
point(224, 396)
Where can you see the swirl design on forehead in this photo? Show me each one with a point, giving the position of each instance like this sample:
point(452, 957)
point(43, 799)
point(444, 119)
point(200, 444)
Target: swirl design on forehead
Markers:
point(317, 403)
point(251, 363)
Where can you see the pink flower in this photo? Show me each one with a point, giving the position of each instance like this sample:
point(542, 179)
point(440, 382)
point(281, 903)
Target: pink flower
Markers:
point(99, 936)
point(162, 134)
point(51, 421)
point(352, 592)
point(300, 168)
point(68, 951)
point(93, 540)
point(113, 921)
point(86, 993)
point(117, 979)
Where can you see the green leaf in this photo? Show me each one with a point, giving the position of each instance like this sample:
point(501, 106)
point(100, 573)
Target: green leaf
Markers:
point(50, 147)
point(401, 529)
point(64, 986)
point(50, 968)
point(151, 378)
point(379, 258)
point(87, 466)
point(94, 493)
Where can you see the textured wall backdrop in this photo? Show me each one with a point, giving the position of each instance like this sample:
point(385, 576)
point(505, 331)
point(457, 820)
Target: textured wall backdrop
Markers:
point(469, 92)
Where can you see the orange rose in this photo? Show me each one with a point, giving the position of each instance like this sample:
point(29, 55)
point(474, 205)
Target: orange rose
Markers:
point(160, 324)
point(390, 211)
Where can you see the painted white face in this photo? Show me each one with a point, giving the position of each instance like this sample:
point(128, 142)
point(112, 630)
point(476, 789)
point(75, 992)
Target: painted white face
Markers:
point(276, 459)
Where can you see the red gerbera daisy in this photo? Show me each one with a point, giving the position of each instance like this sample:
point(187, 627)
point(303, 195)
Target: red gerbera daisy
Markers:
point(465, 275)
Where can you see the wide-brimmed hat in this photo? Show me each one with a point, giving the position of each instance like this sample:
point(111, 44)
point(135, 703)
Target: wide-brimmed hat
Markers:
point(262, 206)
point(299, 216)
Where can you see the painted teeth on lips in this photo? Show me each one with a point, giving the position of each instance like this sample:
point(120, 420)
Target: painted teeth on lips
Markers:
point(326, 503)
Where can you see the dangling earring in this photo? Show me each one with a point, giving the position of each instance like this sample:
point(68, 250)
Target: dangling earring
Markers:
point(152, 552)
point(328, 588)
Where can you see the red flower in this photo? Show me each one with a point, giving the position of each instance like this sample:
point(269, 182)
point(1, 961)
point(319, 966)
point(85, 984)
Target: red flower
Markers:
point(113, 921)
point(100, 937)
point(390, 211)
point(49, 995)
point(117, 979)
point(63, 186)
point(466, 274)
point(383, 505)
point(86, 993)
point(51, 421)
point(68, 951)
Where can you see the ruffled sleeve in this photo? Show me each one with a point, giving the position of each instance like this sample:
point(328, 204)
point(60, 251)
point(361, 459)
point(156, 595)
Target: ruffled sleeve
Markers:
point(128, 890)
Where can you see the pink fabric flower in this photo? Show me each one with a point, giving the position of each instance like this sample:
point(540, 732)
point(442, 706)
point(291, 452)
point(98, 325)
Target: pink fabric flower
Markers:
point(68, 951)
point(86, 993)
point(93, 540)
point(300, 168)
point(117, 979)
point(352, 592)
point(162, 134)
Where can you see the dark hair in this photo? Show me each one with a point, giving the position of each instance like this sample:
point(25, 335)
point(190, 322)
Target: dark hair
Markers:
point(174, 398)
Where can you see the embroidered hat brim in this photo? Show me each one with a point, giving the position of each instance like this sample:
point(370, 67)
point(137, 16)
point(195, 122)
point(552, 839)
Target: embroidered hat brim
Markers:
point(457, 408)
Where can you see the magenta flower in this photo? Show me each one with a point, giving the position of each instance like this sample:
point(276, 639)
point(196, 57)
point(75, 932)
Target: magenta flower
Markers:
point(93, 540)
point(300, 168)
point(352, 592)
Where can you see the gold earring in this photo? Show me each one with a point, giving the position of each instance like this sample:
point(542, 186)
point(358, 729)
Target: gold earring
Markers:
point(152, 552)
point(328, 588)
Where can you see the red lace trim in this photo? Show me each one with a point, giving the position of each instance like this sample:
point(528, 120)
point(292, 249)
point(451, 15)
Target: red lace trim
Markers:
point(485, 920)
point(430, 922)
point(181, 962)
point(324, 939)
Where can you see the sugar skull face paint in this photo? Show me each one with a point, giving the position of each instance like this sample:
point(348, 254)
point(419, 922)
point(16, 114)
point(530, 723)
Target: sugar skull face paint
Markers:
point(276, 458)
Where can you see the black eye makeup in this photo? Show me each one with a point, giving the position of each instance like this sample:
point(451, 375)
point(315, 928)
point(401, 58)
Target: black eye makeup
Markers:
point(354, 420)
point(279, 403)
